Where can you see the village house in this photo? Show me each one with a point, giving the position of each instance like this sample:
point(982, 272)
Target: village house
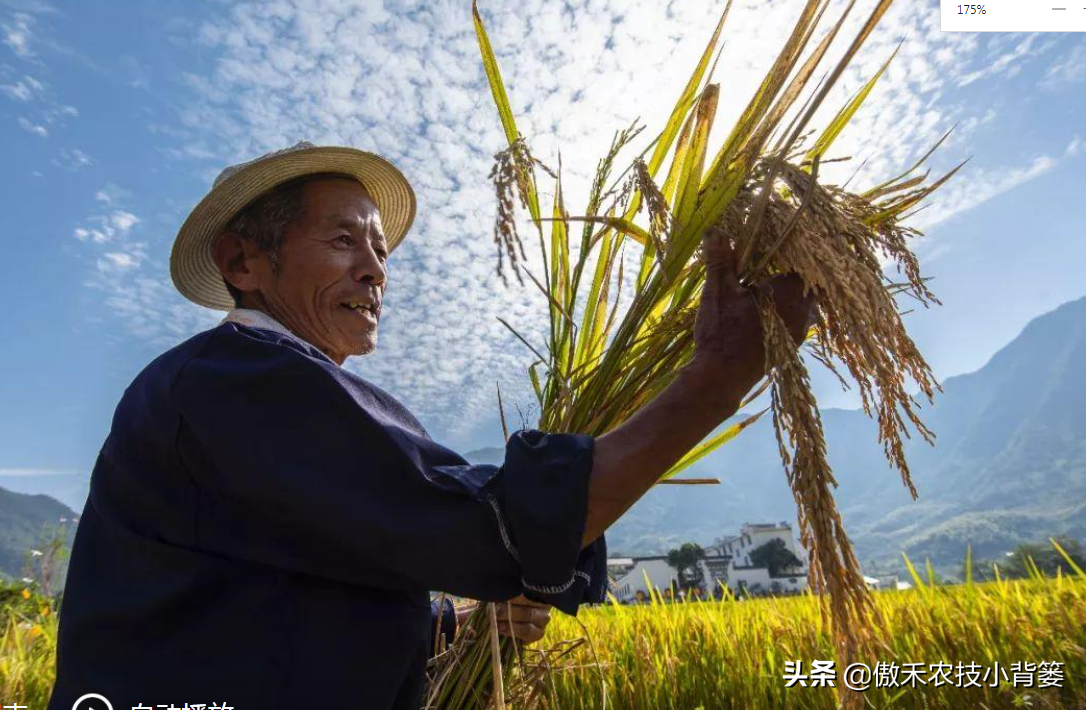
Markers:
point(727, 563)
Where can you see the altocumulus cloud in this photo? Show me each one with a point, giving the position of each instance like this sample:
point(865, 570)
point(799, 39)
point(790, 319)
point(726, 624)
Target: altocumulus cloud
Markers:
point(404, 79)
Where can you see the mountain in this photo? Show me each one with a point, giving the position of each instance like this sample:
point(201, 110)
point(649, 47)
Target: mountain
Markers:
point(492, 455)
point(71, 489)
point(1009, 465)
point(24, 523)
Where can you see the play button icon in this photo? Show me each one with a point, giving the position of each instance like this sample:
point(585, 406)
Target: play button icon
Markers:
point(92, 701)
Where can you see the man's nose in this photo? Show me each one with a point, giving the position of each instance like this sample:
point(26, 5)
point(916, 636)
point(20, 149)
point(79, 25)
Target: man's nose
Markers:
point(368, 266)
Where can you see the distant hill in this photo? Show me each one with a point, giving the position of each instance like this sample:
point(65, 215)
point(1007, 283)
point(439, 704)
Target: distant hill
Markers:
point(1009, 465)
point(492, 455)
point(71, 489)
point(23, 523)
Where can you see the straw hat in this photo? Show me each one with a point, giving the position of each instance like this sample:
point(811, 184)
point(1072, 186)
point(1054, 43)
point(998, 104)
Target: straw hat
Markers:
point(192, 268)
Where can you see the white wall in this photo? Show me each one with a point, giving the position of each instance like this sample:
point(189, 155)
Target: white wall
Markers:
point(789, 586)
point(738, 576)
point(739, 572)
point(660, 574)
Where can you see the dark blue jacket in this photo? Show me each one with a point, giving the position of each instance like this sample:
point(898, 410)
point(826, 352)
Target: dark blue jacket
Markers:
point(264, 528)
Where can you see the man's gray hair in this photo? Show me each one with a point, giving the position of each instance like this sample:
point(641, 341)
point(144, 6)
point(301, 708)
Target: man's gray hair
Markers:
point(264, 221)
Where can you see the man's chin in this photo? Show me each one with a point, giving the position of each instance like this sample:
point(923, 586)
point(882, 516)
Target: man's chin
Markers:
point(365, 347)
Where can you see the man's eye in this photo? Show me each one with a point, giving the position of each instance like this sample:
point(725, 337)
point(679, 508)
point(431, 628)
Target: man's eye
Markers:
point(345, 238)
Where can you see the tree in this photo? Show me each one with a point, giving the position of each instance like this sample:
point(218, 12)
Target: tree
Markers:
point(685, 561)
point(1045, 556)
point(775, 555)
point(1017, 563)
point(45, 568)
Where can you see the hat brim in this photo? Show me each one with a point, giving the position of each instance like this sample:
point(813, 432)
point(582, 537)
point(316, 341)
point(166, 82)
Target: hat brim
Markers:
point(192, 267)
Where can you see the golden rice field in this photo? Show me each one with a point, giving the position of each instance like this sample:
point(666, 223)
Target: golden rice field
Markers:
point(731, 654)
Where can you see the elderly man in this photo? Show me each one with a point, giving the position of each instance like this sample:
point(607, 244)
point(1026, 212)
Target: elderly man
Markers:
point(264, 527)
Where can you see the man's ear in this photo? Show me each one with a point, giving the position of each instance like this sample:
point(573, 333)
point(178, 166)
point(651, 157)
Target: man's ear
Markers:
point(235, 256)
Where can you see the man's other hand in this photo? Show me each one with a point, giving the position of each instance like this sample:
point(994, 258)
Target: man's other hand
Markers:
point(523, 619)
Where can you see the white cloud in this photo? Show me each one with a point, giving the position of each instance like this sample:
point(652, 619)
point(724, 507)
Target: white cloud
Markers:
point(136, 288)
point(24, 89)
point(35, 128)
point(113, 262)
point(48, 113)
point(73, 159)
point(112, 193)
point(1069, 69)
point(1004, 61)
point(107, 227)
point(17, 34)
point(138, 74)
point(979, 186)
point(36, 472)
point(35, 6)
point(57, 114)
point(405, 80)
point(123, 221)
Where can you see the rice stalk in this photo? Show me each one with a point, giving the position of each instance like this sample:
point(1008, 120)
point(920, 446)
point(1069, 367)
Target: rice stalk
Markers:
point(599, 368)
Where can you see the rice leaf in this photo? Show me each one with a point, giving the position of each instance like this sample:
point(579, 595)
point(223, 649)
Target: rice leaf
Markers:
point(710, 445)
point(846, 59)
point(747, 127)
point(533, 375)
point(618, 224)
point(694, 161)
point(873, 192)
point(1067, 557)
point(494, 77)
point(803, 77)
point(902, 205)
point(501, 101)
point(833, 130)
point(686, 98)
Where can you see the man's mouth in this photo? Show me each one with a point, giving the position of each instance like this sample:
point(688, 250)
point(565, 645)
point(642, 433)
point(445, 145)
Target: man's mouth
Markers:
point(362, 308)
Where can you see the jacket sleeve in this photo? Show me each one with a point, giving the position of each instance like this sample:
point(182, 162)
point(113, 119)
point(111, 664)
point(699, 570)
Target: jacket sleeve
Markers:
point(303, 466)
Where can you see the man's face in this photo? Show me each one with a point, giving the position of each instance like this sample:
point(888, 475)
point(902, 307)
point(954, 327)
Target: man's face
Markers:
point(331, 276)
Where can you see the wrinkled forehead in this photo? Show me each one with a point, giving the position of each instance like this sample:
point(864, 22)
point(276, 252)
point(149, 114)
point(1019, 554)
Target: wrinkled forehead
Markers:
point(342, 202)
point(367, 220)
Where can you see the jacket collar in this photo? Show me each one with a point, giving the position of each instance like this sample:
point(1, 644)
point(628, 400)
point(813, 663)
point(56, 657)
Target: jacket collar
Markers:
point(259, 319)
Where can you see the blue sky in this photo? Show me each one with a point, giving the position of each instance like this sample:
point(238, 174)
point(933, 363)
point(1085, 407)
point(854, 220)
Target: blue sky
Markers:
point(115, 117)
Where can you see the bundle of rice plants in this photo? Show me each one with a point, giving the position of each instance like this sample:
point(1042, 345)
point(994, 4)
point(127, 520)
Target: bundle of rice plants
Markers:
point(760, 189)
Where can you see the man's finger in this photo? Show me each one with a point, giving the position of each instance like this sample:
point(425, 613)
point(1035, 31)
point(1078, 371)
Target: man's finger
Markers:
point(719, 257)
point(797, 309)
point(525, 601)
point(538, 614)
point(528, 633)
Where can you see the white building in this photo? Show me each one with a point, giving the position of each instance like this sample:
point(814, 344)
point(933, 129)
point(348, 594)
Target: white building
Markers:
point(632, 576)
point(743, 574)
point(727, 563)
point(891, 582)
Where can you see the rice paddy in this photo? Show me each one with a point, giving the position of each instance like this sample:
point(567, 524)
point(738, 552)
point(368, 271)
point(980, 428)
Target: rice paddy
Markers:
point(732, 654)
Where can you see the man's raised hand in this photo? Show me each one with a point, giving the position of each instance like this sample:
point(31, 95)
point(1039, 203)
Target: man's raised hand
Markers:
point(727, 330)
